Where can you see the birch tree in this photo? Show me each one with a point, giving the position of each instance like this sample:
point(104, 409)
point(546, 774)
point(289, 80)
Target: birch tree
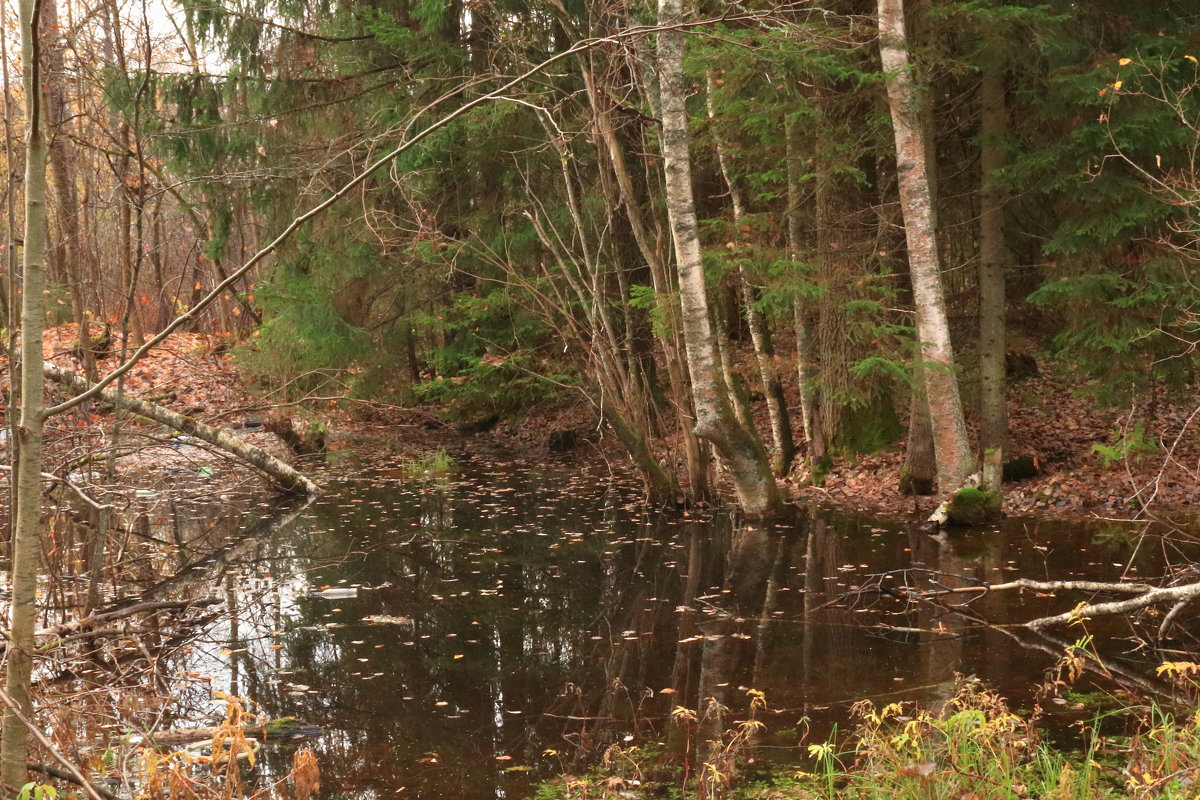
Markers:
point(951, 446)
point(738, 445)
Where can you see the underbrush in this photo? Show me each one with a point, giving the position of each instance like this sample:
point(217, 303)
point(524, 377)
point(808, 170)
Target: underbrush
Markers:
point(975, 748)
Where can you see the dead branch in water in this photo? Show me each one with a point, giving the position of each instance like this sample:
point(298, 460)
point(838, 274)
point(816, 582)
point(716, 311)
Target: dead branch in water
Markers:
point(1144, 596)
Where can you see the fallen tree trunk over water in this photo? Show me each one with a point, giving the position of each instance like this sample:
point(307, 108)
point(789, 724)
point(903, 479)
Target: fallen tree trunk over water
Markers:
point(284, 477)
point(1178, 596)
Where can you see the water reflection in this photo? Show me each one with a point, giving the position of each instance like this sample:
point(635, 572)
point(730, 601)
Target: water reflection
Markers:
point(509, 625)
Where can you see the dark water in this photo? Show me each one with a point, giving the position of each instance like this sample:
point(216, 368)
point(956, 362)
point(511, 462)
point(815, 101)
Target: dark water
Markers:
point(536, 616)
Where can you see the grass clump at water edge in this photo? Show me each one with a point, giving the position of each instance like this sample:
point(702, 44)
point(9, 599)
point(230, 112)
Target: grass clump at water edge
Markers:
point(974, 749)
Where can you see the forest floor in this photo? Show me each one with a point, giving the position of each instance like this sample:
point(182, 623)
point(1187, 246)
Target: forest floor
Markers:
point(1090, 459)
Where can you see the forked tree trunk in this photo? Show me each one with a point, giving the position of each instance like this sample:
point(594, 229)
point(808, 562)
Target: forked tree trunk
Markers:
point(27, 478)
point(993, 415)
point(951, 446)
point(739, 446)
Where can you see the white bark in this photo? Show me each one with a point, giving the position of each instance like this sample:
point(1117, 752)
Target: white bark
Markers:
point(739, 447)
point(952, 448)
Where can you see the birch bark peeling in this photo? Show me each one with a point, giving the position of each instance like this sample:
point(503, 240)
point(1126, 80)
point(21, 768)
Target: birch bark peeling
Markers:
point(951, 446)
point(740, 449)
point(285, 478)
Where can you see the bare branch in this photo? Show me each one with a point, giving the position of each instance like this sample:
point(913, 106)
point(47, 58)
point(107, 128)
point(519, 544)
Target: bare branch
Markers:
point(349, 186)
point(1172, 594)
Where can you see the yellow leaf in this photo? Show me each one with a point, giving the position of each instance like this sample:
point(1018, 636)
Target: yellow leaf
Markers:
point(1192, 59)
point(1117, 86)
point(1124, 61)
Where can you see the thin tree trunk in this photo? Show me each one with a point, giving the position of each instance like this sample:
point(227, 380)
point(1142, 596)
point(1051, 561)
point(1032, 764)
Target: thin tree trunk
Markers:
point(696, 457)
point(953, 451)
point(800, 311)
point(8, 291)
point(62, 167)
point(760, 334)
point(27, 479)
point(11, 283)
point(739, 447)
point(993, 416)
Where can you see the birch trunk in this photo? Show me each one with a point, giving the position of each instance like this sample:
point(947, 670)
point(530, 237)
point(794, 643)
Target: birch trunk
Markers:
point(992, 412)
point(739, 447)
point(27, 477)
point(953, 451)
point(285, 478)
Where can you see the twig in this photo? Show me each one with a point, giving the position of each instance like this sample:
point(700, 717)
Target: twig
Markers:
point(36, 732)
point(1170, 617)
point(1152, 597)
point(64, 775)
point(58, 479)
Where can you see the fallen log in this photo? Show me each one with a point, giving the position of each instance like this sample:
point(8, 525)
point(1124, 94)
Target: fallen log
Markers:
point(284, 728)
point(284, 477)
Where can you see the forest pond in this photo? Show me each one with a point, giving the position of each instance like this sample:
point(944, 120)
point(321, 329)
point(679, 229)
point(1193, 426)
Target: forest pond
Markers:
point(470, 634)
